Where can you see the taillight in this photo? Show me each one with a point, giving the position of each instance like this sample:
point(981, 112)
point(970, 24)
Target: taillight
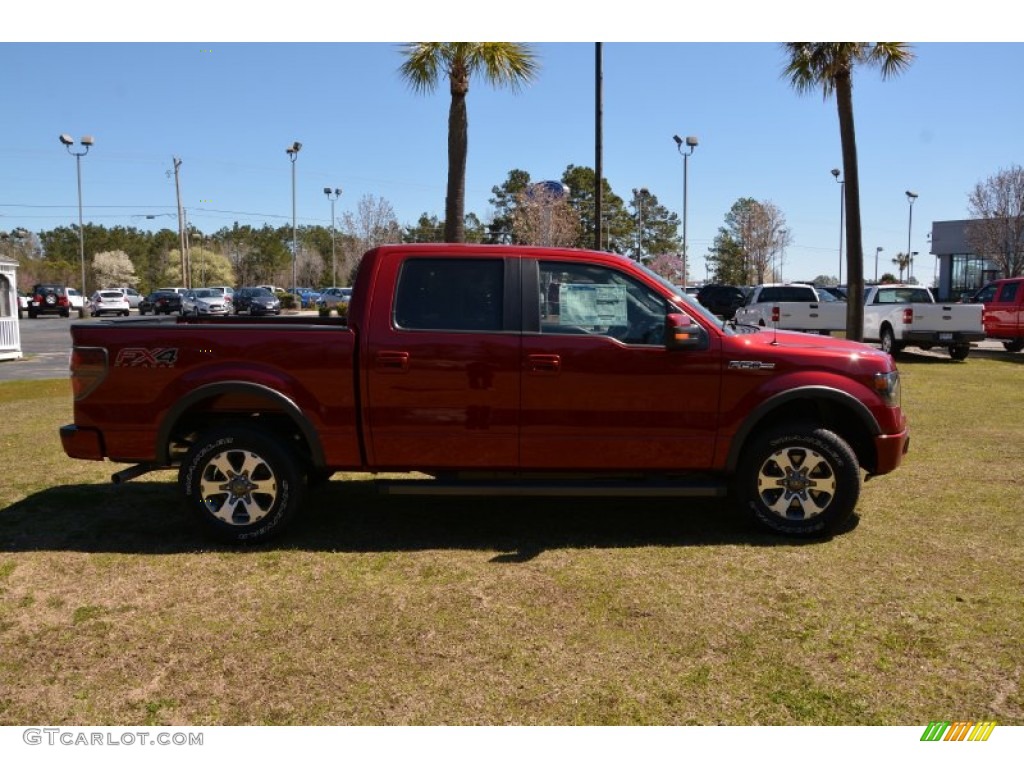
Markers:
point(776, 314)
point(88, 369)
point(908, 316)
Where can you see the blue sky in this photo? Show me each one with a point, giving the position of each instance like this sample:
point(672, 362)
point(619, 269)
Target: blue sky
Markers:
point(229, 110)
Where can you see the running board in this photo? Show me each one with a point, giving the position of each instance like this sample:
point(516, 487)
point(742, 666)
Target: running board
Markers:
point(592, 489)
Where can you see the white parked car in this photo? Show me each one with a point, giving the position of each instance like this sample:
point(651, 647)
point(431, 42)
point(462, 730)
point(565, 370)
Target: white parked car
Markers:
point(75, 299)
point(226, 291)
point(204, 301)
point(133, 296)
point(109, 302)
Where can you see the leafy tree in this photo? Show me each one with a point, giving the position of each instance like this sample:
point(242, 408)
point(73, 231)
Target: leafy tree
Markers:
point(504, 201)
point(888, 277)
point(656, 227)
point(997, 231)
point(670, 266)
point(825, 280)
point(618, 229)
point(543, 217)
point(750, 248)
point(727, 260)
point(829, 66)
point(113, 269)
point(428, 229)
point(501, 64)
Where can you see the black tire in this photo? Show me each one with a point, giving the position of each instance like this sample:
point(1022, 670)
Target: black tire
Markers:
point(888, 341)
point(959, 351)
point(1014, 346)
point(823, 482)
point(32, 315)
point(268, 491)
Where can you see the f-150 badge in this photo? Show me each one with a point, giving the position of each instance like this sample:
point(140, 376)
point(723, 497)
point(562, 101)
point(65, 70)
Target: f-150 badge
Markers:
point(751, 365)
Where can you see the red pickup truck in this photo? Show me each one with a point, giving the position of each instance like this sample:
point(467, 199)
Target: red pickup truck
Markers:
point(1004, 312)
point(494, 370)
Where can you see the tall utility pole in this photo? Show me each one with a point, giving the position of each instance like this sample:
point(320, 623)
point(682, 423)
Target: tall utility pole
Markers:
point(598, 143)
point(186, 268)
point(333, 195)
point(87, 142)
point(293, 152)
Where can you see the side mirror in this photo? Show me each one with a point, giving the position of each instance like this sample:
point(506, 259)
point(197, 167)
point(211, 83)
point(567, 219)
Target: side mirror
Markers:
point(682, 333)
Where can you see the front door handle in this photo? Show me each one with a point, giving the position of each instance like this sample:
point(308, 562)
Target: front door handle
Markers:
point(544, 363)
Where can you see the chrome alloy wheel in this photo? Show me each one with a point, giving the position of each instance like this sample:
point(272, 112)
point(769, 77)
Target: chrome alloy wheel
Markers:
point(796, 483)
point(238, 487)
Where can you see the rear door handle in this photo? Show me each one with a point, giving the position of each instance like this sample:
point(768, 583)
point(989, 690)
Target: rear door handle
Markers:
point(544, 363)
point(393, 361)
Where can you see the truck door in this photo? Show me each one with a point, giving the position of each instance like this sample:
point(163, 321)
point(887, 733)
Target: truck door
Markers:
point(600, 389)
point(441, 364)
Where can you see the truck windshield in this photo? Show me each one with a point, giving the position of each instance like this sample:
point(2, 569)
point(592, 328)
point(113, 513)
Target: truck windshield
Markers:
point(686, 302)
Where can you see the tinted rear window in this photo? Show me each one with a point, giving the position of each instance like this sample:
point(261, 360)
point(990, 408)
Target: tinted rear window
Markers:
point(450, 294)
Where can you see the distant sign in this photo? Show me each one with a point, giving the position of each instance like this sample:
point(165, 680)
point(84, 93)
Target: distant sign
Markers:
point(547, 190)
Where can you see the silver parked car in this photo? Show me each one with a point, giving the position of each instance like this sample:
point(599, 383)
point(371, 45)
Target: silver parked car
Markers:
point(204, 301)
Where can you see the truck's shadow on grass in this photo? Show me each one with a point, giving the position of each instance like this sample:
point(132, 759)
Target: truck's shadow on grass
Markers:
point(145, 518)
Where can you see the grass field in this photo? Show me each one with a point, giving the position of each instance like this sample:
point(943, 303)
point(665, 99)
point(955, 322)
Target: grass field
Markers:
point(115, 610)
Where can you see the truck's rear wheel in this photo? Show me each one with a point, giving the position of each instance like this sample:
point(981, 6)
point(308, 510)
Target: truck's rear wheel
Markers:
point(240, 484)
point(959, 351)
point(798, 480)
point(1014, 346)
point(889, 343)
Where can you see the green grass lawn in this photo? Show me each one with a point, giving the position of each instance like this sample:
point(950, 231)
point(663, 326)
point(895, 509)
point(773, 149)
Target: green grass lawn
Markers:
point(114, 608)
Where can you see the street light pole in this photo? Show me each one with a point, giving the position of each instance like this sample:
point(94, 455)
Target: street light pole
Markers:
point(87, 142)
point(877, 251)
point(293, 152)
point(691, 143)
point(911, 197)
point(638, 197)
point(842, 214)
point(336, 194)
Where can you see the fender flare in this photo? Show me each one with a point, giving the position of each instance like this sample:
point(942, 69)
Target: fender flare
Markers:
point(742, 435)
point(293, 411)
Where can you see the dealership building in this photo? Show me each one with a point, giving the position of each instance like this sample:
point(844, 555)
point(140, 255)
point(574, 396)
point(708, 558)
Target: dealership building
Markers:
point(960, 270)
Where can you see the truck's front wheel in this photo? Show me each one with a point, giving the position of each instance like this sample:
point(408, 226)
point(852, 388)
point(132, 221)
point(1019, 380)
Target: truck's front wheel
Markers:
point(241, 484)
point(799, 480)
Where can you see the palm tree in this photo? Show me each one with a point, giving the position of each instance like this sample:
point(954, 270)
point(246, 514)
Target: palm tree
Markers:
point(830, 66)
point(502, 64)
point(902, 261)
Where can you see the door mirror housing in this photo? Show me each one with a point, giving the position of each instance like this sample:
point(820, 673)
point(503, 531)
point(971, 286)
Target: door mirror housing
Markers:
point(681, 332)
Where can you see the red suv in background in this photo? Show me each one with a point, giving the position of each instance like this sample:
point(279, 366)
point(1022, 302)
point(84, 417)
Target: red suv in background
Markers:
point(49, 298)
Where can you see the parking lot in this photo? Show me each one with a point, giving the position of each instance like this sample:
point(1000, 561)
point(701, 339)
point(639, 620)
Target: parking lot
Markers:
point(46, 344)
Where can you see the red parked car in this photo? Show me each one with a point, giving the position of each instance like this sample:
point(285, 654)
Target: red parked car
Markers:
point(1004, 312)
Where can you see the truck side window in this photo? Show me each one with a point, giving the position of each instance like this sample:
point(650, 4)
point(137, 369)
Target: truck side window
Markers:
point(1009, 292)
point(450, 295)
point(589, 299)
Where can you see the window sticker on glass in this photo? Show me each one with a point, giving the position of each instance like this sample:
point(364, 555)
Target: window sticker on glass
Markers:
point(588, 304)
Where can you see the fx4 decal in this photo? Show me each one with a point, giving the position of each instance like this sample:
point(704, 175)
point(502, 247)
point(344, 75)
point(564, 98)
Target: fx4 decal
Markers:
point(139, 357)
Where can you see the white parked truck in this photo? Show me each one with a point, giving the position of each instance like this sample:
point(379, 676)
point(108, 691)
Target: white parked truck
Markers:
point(793, 307)
point(898, 316)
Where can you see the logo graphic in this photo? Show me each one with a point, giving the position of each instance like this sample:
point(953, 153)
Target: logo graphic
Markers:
point(961, 730)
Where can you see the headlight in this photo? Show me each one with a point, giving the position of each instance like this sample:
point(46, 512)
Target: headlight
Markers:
point(888, 386)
